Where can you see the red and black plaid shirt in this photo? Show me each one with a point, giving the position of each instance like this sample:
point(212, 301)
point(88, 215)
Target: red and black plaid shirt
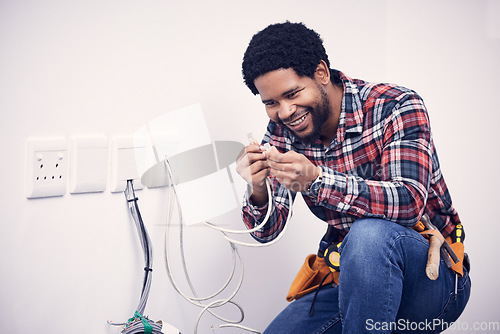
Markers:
point(381, 164)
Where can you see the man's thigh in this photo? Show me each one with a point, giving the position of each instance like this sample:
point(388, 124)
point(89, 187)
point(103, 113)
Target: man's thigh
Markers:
point(296, 318)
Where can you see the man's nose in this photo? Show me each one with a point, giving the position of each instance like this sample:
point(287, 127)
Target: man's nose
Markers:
point(286, 110)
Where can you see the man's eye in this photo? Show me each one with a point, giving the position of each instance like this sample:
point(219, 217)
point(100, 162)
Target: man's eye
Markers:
point(270, 103)
point(294, 94)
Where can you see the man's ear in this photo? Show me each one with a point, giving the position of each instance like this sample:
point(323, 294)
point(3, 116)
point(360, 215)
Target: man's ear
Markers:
point(322, 73)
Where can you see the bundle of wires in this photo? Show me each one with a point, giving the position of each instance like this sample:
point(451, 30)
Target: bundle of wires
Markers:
point(139, 324)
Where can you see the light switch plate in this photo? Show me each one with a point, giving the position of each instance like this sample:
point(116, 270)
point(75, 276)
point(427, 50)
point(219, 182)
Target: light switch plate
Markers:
point(46, 167)
point(88, 164)
point(123, 165)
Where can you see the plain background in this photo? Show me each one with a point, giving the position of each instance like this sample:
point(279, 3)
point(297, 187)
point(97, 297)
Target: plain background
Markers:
point(71, 263)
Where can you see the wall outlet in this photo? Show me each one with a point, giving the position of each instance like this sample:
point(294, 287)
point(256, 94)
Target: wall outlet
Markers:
point(46, 167)
point(124, 152)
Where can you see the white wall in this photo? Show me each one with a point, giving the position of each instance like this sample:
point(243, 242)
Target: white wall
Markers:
point(68, 264)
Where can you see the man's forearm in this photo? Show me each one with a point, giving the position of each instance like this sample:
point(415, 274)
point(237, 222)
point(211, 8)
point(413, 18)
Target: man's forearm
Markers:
point(259, 197)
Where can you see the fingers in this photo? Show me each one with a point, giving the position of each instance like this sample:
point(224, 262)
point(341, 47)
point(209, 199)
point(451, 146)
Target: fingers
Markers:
point(293, 170)
point(273, 154)
point(259, 178)
point(290, 161)
point(285, 158)
point(252, 165)
point(252, 152)
point(250, 155)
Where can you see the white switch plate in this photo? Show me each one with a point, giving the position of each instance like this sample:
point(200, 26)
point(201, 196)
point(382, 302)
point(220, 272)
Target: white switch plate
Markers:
point(89, 164)
point(123, 166)
point(46, 167)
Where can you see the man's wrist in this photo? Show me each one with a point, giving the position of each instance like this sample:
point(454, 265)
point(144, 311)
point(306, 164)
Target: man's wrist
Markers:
point(320, 174)
point(313, 187)
point(316, 176)
point(258, 197)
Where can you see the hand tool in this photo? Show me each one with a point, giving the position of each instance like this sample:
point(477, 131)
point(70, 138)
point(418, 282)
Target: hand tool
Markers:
point(438, 247)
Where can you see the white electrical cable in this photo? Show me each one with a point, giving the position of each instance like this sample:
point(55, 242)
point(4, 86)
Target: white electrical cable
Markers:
point(267, 147)
point(247, 244)
point(236, 257)
point(197, 300)
point(256, 228)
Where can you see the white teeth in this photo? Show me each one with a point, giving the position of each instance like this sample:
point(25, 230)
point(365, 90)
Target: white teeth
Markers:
point(300, 120)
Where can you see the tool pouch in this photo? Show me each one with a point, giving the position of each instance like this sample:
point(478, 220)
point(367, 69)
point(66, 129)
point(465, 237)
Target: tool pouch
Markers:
point(310, 276)
point(457, 246)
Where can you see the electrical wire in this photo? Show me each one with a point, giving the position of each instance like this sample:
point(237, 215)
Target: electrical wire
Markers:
point(145, 242)
point(254, 229)
point(258, 227)
point(248, 244)
point(195, 300)
point(139, 323)
point(267, 147)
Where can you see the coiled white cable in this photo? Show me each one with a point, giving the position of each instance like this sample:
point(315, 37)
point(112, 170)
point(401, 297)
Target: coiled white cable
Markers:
point(256, 228)
point(197, 301)
point(269, 209)
point(236, 256)
point(268, 213)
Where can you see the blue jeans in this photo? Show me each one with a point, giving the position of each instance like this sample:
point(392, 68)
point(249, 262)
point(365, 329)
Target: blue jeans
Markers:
point(383, 288)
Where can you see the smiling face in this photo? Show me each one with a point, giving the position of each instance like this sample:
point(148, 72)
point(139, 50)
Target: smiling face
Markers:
point(299, 103)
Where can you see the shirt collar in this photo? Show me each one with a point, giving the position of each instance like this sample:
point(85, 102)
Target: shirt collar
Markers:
point(351, 114)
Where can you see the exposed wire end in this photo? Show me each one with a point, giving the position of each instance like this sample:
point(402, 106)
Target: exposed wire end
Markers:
point(251, 138)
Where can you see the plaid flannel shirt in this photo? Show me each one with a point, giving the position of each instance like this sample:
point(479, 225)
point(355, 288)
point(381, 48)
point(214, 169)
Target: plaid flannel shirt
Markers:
point(381, 164)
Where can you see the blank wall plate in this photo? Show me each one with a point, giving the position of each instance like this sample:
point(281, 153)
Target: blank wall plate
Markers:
point(89, 164)
point(46, 167)
point(123, 166)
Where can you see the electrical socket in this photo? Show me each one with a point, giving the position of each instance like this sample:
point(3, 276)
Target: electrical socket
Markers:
point(124, 152)
point(46, 167)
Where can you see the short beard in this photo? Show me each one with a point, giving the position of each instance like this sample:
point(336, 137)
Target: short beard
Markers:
point(319, 113)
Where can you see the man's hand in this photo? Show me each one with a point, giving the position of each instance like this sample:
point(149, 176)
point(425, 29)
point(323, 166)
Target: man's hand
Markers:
point(293, 170)
point(254, 168)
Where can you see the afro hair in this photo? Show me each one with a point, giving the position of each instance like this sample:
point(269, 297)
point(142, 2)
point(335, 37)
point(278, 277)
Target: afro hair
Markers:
point(281, 46)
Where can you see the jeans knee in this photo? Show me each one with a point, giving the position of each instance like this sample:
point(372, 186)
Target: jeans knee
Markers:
point(366, 233)
point(370, 239)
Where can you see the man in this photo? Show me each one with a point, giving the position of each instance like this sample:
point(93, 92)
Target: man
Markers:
point(362, 156)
